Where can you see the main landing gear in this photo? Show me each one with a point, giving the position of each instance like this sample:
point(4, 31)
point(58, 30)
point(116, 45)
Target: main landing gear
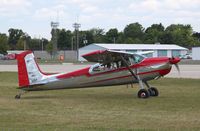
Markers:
point(142, 93)
point(145, 93)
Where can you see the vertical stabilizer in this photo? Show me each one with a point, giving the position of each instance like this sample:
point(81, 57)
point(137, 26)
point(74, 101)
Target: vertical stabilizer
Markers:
point(28, 70)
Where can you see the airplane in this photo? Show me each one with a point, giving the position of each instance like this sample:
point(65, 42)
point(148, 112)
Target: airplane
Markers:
point(111, 68)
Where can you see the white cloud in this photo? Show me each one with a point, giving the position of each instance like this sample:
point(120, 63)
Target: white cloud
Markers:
point(14, 3)
point(181, 4)
point(13, 7)
point(145, 5)
point(97, 13)
point(50, 13)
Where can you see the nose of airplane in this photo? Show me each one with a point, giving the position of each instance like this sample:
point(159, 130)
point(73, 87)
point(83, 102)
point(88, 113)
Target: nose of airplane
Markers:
point(174, 60)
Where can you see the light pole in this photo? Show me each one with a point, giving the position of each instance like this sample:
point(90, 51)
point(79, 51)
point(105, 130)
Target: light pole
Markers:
point(25, 36)
point(76, 27)
point(54, 26)
point(42, 44)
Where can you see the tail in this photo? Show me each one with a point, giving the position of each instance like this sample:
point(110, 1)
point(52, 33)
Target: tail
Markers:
point(29, 72)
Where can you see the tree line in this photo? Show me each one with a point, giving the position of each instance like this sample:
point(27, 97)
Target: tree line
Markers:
point(133, 33)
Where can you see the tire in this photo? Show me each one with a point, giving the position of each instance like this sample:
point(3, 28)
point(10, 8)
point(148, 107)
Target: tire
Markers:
point(17, 97)
point(143, 93)
point(153, 91)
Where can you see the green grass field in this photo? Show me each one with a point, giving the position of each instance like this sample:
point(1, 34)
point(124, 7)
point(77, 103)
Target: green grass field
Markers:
point(113, 108)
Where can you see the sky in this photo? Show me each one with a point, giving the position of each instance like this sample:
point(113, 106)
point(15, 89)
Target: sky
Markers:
point(34, 16)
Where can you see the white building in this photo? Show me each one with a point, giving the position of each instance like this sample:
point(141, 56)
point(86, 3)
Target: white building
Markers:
point(196, 53)
point(159, 49)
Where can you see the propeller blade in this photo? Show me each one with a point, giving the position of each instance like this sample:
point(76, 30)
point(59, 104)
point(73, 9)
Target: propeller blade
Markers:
point(177, 67)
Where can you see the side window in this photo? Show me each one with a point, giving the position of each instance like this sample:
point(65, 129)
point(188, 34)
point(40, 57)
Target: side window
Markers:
point(98, 68)
point(138, 58)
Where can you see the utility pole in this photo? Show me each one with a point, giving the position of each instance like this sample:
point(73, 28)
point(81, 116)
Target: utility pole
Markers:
point(114, 40)
point(54, 26)
point(76, 27)
point(25, 37)
point(42, 44)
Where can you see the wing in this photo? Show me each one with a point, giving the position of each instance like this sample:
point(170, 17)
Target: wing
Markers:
point(145, 52)
point(106, 56)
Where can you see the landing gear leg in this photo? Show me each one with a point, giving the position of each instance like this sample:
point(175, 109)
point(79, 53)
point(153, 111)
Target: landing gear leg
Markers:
point(152, 90)
point(19, 95)
point(142, 93)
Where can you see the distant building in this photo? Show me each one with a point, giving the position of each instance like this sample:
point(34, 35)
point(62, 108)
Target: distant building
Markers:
point(196, 53)
point(159, 49)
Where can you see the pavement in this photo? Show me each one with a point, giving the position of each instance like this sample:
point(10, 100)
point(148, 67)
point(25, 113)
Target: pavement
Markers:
point(187, 71)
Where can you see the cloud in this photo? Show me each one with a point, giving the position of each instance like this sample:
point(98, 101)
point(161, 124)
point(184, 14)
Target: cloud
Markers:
point(50, 13)
point(13, 7)
point(145, 5)
point(104, 14)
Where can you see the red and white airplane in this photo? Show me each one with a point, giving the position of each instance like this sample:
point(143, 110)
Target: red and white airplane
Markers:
point(112, 68)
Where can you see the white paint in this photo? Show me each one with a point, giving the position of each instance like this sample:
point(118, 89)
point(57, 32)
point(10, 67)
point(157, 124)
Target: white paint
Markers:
point(34, 74)
point(137, 47)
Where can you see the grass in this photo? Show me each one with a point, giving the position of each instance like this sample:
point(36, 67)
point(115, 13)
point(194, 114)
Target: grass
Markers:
point(112, 108)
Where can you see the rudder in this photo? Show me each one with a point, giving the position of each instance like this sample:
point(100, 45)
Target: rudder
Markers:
point(28, 70)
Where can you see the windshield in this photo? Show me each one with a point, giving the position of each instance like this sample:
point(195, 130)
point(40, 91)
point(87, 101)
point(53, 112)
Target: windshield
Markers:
point(134, 59)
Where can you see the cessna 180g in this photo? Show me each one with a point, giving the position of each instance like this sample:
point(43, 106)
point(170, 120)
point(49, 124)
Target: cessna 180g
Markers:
point(112, 68)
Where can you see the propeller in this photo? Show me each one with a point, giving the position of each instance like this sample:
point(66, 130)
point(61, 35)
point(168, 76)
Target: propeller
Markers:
point(175, 62)
point(178, 69)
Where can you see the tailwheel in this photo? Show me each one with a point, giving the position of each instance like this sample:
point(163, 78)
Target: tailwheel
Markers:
point(153, 91)
point(17, 96)
point(143, 93)
point(21, 93)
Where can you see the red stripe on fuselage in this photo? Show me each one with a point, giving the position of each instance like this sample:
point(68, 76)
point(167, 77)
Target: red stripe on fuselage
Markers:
point(77, 73)
point(161, 72)
point(145, 62)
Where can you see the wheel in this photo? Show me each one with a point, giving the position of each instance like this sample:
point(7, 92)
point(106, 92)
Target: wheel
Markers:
point(17, 97)
point(153, 91)
point(143, 93)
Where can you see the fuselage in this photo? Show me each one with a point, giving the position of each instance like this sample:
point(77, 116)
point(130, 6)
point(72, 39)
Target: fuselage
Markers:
point(147, 69)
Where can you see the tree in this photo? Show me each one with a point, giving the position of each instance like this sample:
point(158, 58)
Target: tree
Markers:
point(14, 36)
point(86, 37)
point(49, 48)
point(64, 39)
point(134, 31)
point(121, 38)
point(24, 42)
point(112, 35)
point(179, 34)
point(35, 44)
point(154, 33)
point(196, 36)
point(98, 35)
point(3, 43)
point(44, 42)
point(20, 44)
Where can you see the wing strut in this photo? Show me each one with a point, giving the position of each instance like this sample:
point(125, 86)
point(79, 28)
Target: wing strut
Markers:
point(137, 77)
point(127, 66)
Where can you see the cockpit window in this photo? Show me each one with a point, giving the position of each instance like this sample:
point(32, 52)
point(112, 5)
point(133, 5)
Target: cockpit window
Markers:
point(103, 67)
point(138, 58)
point(135, 59)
